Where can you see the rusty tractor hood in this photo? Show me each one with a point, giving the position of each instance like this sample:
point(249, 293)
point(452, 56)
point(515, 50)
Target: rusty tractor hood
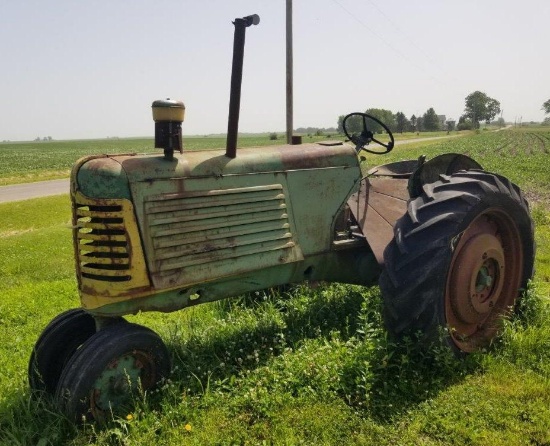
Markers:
point(111, 176)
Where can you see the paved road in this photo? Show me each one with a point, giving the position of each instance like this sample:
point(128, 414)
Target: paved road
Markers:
point(25, 191)
point(57, 187)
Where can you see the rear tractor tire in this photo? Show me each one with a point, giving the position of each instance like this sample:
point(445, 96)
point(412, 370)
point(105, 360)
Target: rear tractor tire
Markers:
point(460, 257)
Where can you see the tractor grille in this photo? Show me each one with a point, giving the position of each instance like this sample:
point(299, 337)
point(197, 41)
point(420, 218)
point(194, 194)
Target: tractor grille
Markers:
point(108, 252)
point(215, 233)
point(102, 242)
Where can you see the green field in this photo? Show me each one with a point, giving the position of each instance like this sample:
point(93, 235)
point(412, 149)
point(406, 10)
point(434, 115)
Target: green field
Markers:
point(521, 155)
point(311, 366)
point(24, 162)
point(48, 160)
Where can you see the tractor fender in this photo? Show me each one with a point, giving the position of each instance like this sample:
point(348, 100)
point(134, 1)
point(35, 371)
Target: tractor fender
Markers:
point(384, 193)
point(430, 171)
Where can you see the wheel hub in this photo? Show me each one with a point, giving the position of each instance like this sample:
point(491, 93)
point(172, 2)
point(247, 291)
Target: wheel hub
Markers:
point(476, 284)
point(484, 279)
point(121, 377)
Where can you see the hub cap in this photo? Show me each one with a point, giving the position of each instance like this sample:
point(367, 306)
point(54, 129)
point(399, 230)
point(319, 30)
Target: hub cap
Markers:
point(119, 380)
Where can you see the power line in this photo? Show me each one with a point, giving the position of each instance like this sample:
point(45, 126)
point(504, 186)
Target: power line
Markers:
point(385, 42)
point(399, 30)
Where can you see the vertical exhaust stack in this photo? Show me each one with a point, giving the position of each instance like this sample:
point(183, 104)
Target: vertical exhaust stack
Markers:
point(236, 81)
point(168, 116)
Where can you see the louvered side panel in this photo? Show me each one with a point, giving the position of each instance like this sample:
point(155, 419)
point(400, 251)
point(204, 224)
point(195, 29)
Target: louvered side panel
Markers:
point(205, 235)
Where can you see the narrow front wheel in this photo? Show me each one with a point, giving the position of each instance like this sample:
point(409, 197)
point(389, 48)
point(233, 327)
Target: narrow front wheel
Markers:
point(110, 370)
point(55, 346)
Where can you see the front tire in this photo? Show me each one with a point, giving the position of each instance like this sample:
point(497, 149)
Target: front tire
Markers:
point(460, 257)
point(103, 376)
point(55, 346)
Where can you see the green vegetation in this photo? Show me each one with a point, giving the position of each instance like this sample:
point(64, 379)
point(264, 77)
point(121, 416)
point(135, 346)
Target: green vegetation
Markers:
point(479, 107)
point(308, 366)
point(521, 155)
point(47, 160)
point(37, 161)
point(431, 120)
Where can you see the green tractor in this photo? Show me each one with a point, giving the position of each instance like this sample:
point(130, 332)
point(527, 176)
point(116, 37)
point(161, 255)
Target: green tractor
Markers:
point(450, 244)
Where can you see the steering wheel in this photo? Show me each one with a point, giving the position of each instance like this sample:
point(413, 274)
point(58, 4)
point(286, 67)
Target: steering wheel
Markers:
point(365, 137)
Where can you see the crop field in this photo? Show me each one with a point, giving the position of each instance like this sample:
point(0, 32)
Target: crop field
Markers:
point(47, 160)
point(309, 366)
point(522, 155)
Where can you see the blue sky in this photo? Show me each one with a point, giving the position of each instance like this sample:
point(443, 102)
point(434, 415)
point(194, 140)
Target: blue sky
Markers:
point(87, 69)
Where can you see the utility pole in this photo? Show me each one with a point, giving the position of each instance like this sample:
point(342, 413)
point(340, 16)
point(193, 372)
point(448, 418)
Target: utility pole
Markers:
point(289, 80)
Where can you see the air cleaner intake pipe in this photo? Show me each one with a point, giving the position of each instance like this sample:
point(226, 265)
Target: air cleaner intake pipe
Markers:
point(168, 116)
point(236, 81)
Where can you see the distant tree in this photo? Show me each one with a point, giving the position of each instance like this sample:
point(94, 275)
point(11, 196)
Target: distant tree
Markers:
point(383, 115)
point(464, 123)
point(501, 122)
point(402, 123)
point(431, 120)
point(419, 124)
point(480, 107)
point(273, 136)
point(451, 126)
point(546, 107)
point(340, 124)
point(305, 130)
point(413, 123)
point(354, 124)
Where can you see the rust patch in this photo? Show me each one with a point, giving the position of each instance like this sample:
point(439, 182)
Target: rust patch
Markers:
point(377, 206)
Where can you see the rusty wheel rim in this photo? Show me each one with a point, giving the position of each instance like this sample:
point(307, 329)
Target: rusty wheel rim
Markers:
point(484, 279)
point(120, 380)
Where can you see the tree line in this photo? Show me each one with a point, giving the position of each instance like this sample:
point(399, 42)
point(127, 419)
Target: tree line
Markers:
point(478, 107)
point(398, 122)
